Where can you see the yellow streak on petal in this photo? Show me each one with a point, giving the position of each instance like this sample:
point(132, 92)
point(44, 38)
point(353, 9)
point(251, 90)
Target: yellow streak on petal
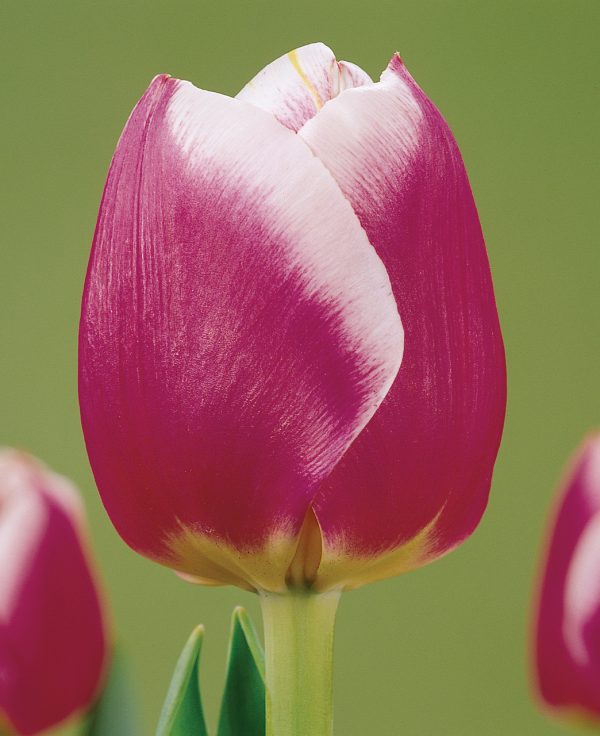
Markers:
point(5, 728)
point(341, 569)
point(203, 559)
point(295, 62)
point(578, 716)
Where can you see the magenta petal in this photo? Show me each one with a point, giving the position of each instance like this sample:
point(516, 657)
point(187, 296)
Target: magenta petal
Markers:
point(567, 647)
point(52, 637)
point(238, 330)
point(427, 455)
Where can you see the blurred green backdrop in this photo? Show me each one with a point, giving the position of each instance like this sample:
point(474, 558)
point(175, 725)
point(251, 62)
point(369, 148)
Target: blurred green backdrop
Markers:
point(443, 650)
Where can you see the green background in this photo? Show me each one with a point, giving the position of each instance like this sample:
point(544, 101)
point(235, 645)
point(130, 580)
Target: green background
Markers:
point(442, 650)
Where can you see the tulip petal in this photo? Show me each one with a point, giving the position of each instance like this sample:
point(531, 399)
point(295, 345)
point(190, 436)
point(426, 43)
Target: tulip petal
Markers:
point(419, 474)
point(52, 638)
point(568, 615)
point(238, 331)
point(295, 86)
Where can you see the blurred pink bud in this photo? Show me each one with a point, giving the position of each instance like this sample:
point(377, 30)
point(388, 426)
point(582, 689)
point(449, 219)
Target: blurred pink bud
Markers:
point(291, 368)
point(52, 634)
point(567, 634)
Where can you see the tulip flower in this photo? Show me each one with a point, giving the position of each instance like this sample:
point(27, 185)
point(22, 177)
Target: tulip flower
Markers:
point(291, 369)
point(52, 634)
point(567, 633)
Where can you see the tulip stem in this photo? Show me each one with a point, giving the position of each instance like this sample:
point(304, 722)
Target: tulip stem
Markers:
point(299, 628)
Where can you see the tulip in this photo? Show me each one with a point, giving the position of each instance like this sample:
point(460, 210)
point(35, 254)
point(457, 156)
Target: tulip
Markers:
point(567, 619)
point(52, 634)
point(291, 370)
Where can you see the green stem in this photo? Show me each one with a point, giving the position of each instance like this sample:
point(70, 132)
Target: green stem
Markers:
point(299, 627)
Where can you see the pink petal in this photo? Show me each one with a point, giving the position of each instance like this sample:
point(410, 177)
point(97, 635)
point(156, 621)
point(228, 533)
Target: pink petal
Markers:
point(427, 455)
point(295, 86)
point(52, 637)
point(567, 655)
point(238, 331)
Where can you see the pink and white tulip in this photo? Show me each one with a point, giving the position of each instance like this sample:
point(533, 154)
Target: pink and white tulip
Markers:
point(52, 633)
point(567, 619)
point(291, 367)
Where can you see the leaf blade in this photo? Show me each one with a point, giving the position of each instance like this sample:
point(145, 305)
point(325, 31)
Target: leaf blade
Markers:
point(243, 705)
point(115, 711)
point(182, 713)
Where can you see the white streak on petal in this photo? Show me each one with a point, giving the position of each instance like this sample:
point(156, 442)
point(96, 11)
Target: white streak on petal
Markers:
point(590, 480)
point(351, 135)
point(24, 485)
point(582, 591)
point(351, 75)
point(297, 85)
point(326, 243)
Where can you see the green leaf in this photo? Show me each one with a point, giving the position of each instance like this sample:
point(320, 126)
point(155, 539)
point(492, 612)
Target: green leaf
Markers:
point(182, 713)
point(114, 712)
point(243, 704)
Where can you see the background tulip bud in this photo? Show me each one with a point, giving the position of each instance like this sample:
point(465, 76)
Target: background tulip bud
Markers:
point(291, 368)
point(567, 619)
point(52, 634)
